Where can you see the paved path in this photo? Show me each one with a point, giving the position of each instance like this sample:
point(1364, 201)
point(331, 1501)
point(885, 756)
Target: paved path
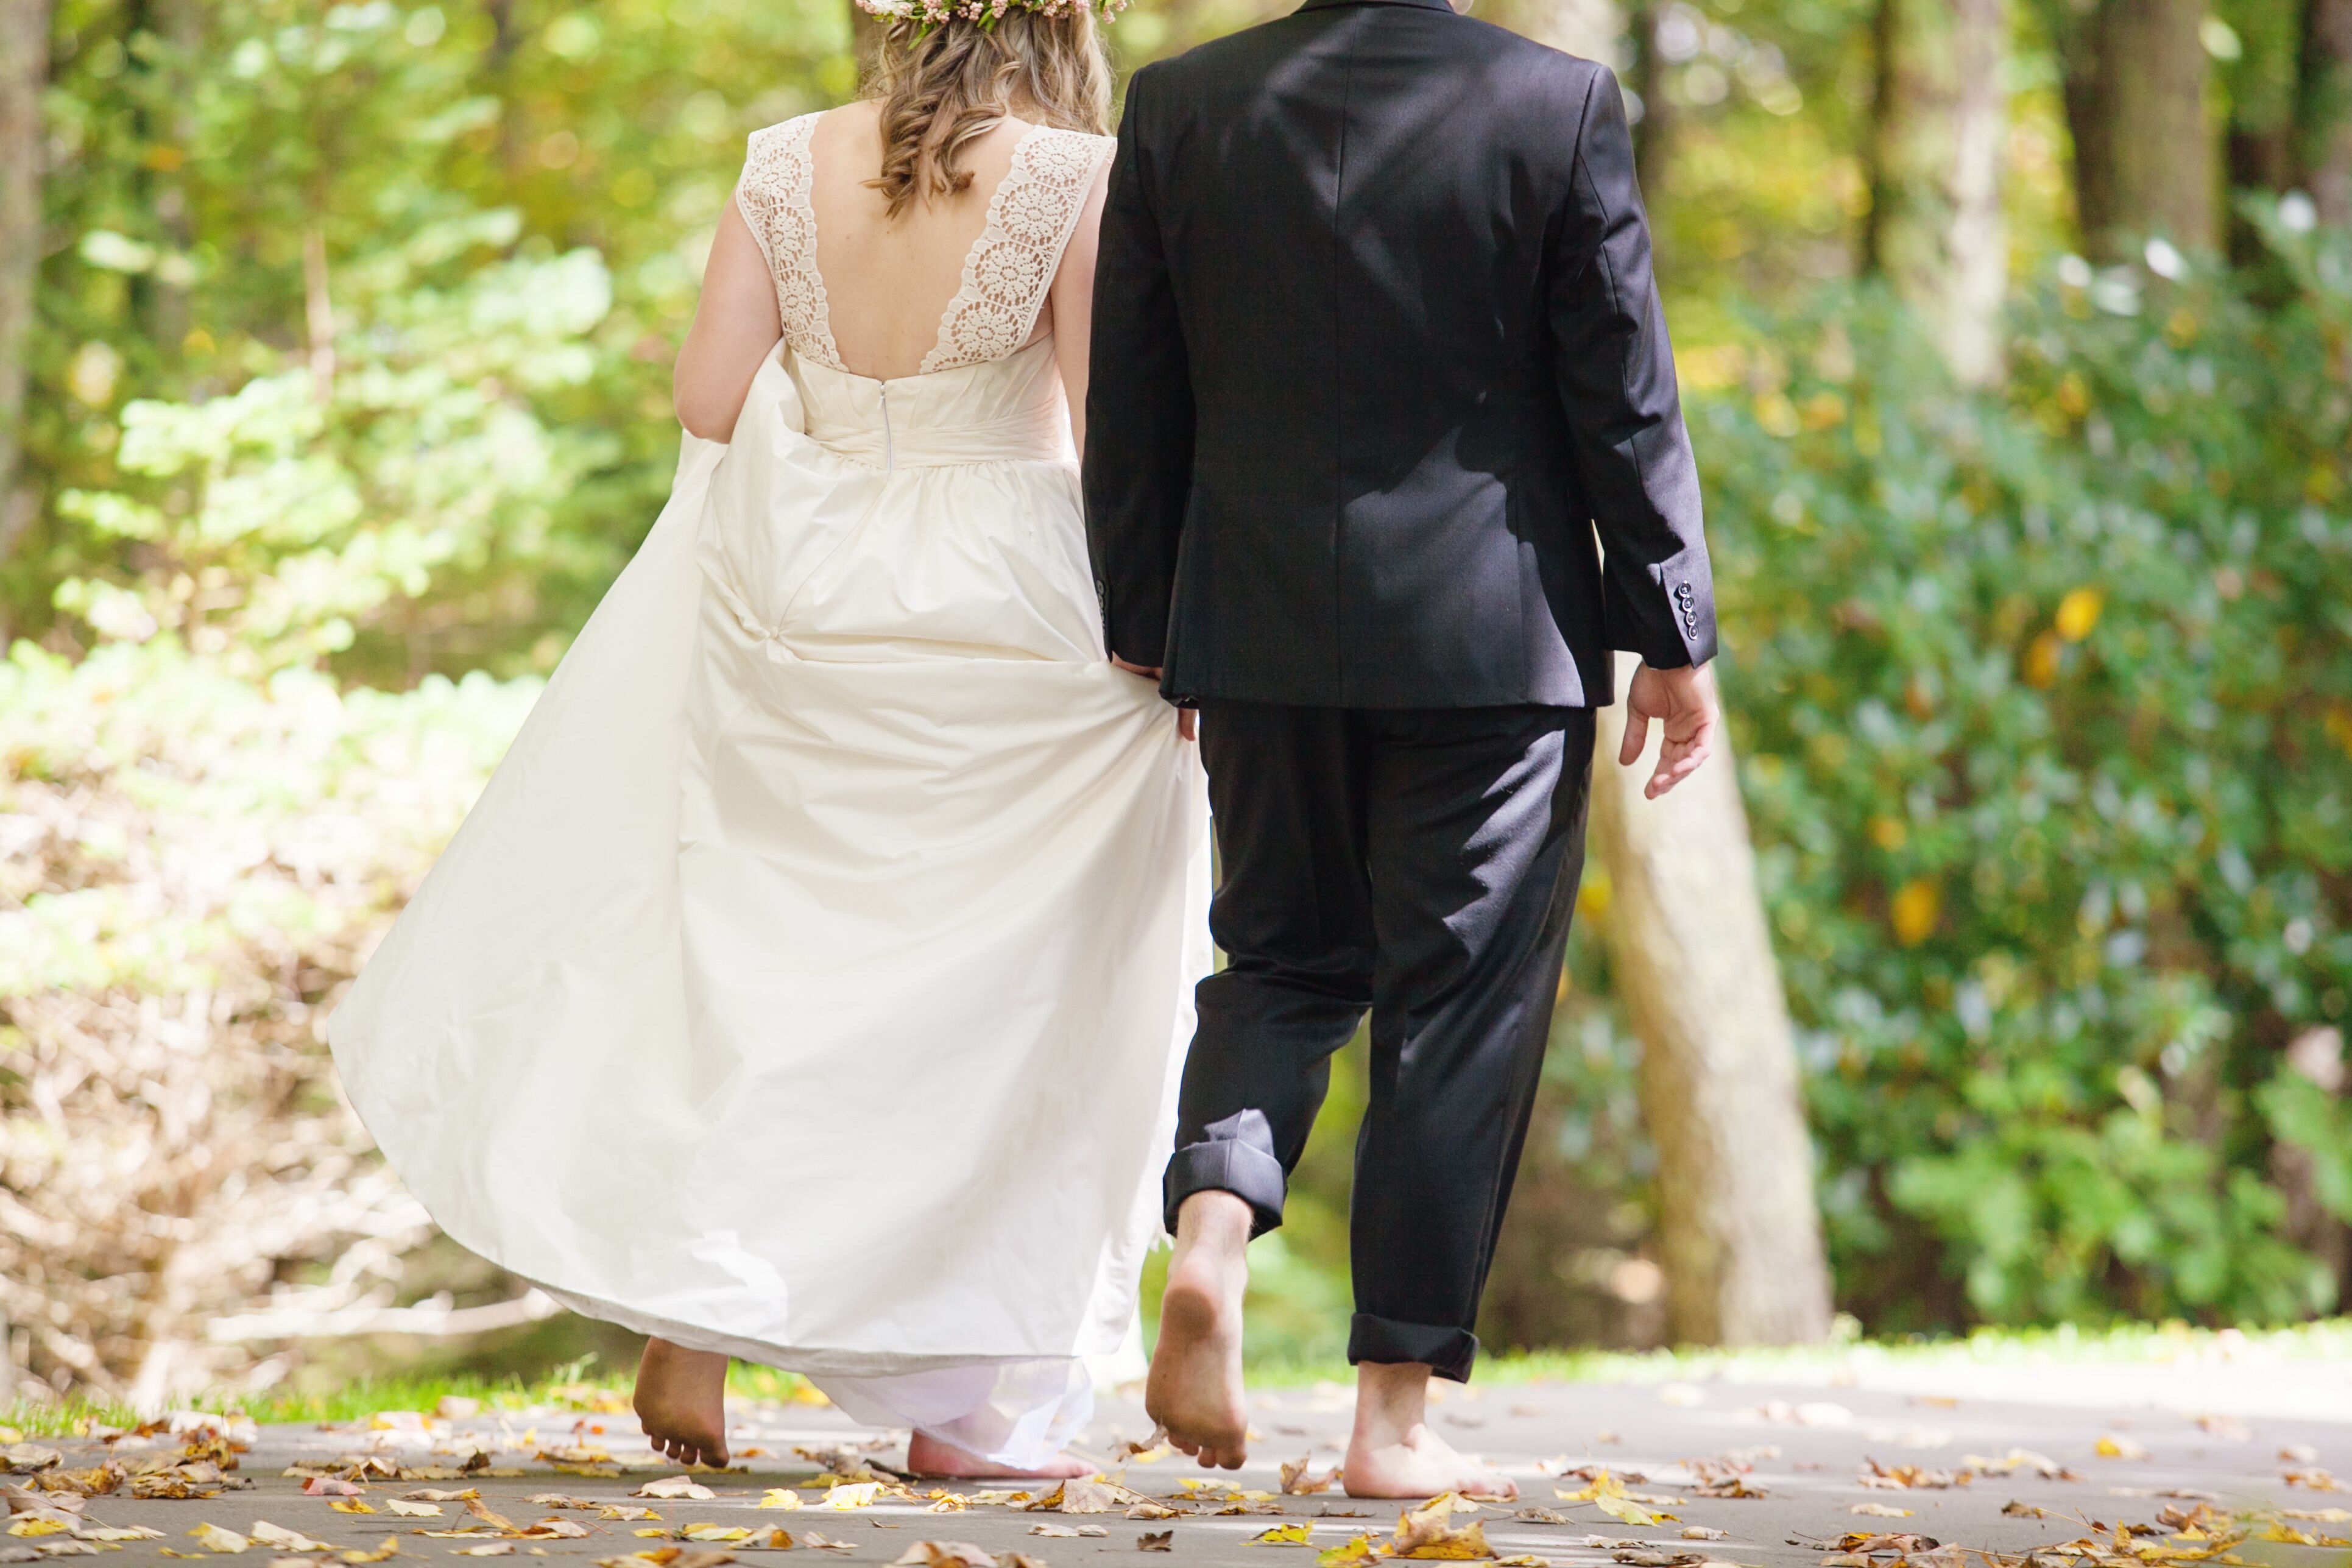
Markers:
point(1804, 1446)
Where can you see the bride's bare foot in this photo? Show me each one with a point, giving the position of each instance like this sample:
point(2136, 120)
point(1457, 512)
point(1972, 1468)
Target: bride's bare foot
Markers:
point(934, 1459)
point(681, 1402)
point(1195, 1387)
point(1393, 1454)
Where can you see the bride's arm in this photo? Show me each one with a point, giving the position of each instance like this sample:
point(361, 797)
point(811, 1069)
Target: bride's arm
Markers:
point(1073, 304)
point(736, 323)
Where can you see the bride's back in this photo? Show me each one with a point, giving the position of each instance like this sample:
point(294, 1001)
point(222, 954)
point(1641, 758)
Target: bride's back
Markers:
point(888, 280)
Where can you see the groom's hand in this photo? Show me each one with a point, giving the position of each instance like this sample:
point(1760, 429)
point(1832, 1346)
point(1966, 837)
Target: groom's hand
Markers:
point(1187, 720)
point(1683, 702)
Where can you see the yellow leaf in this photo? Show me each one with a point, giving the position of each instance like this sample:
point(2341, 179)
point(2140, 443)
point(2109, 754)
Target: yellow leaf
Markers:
point(1625, 1512)
point(493, 1549)
point(858, 1494)
point(716, 1532)
point(390, 1548)
point(286, 1540)
point(38, 1527)
point(779, 1497)
point(1349, 1553)
point(2078, 612)
point(2110, 1446)
point(214, 1539)
point(1467, 1545)
point(1913, 910)
point(1283, 1535)
point(1880, 1510)
point(654, 1530)
point(352, 1505)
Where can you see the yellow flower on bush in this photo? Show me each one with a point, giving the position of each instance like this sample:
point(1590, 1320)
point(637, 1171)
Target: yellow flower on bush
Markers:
point(2078, 612)
point(1913, 910)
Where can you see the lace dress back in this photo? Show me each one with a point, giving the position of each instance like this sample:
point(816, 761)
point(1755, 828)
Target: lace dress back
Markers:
point(1007, 273)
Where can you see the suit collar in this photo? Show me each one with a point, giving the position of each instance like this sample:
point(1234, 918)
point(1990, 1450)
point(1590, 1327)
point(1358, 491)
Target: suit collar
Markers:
point(1423, 4)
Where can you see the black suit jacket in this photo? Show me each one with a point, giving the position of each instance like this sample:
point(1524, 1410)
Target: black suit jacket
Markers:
point(1376, 349)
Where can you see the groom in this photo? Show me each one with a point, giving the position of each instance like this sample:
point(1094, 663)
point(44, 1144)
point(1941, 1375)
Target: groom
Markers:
point(1376, 354)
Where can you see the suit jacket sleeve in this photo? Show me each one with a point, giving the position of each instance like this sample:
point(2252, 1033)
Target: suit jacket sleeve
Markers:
point(1138, 457)
point(1616, 375)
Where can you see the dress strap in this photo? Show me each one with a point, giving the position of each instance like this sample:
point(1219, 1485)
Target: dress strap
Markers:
point(1012, 265)
point(773, 195)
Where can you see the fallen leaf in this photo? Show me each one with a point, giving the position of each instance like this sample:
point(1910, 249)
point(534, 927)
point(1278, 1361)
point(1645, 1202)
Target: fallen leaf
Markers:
point(1350, 1554)
point(555, 1500)
point(490, 1515)
point(1707, 1532)
point(945, 1554)
point(350, 1505)
point(1648, 1557)
point(1299, 1479)
point(1283, 1535)
point(2299, 1454)
point(24, 1459)
point(118, 1532)
point(2313, 1479)
point(625, 1510)
point(1053, 1530)
point(1880, 1509)
point(1087, 1497)
point(2111, 1446)
point(822, 1545)
point(285, 1540)
point(727, 1533)
point(1626, 1511)
point(427, 1494)
point(212, 1538)
point(779, 1497)
point(674, 1487)
point(391, 1548)
point(775, 1538)
point(1148, 1509)
point(407, 1510)
point(1542, 1516)
point(553, 1529)
point(847, 1495)
point(1156, 1540)
point(1524, 1560)
point(489, 1549)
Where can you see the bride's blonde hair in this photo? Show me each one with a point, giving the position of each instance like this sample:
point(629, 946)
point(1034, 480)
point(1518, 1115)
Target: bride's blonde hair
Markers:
point(943, 86)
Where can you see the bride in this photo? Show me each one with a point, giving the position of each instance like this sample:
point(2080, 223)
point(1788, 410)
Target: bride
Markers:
point(809, 983)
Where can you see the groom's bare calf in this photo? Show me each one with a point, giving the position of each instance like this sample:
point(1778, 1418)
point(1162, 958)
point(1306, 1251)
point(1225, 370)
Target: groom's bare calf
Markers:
point(681, 1402)
point(1393, 1454)
point(1195, 1388)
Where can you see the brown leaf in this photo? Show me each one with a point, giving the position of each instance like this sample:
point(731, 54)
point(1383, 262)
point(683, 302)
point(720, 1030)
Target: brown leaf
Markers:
point(945, 1554)
point(1156, 1540)
point(1299, 1479)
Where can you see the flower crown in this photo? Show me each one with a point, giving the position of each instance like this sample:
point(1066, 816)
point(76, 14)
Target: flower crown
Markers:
point(931, 15)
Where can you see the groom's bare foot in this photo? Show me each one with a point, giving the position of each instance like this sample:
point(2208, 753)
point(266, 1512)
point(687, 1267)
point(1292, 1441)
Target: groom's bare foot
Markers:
point(1195, 1387)
point(681, 1402)
point(930, 1458)
point(1393, 1454)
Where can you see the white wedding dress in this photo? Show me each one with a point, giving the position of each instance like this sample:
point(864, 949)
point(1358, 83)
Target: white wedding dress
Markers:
point(811, 981)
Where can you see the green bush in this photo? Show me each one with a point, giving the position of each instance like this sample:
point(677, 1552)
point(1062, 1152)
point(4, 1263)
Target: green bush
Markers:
point(2046, 702)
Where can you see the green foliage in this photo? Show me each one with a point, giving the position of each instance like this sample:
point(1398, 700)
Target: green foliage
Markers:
point(2046, 700)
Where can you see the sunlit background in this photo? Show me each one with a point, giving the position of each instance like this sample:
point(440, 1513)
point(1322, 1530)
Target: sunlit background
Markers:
point(334, 360)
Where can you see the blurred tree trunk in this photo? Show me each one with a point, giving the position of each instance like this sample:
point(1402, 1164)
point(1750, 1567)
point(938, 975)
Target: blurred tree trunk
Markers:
point(1691, 956)
point(2135, 91)
point(24, 78)
point(1654, 135)
point(2324, 108)
point(865, 41)
point(1938, 125)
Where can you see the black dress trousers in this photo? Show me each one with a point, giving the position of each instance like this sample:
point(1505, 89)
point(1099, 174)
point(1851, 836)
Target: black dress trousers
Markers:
point(1423, 863)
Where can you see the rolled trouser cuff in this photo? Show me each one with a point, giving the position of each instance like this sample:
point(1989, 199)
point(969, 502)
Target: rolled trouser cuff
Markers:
point(1237, 1157)
point(1449, 1353)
